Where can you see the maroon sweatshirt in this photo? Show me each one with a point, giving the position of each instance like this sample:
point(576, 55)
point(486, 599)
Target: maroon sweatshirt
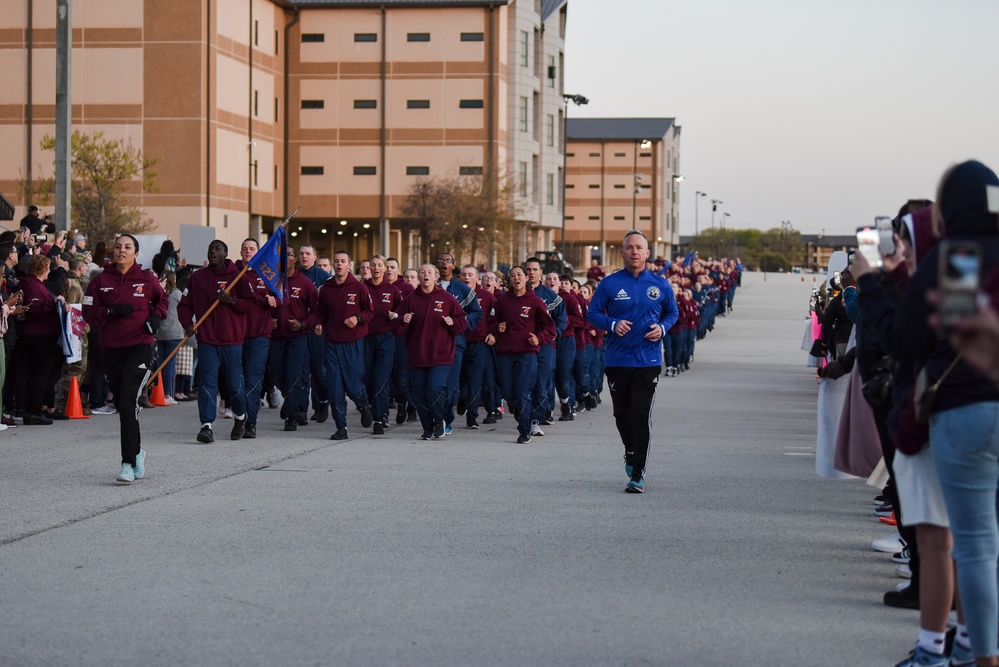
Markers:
point(258, 316)
point(486, 303)
point(524, 315)
point(429, 340)
point(573, 315)
point(405, 289)
point(386, 298)
point(110, 288)
point(337, 302)
point(583, 332)
point(42, 318)
point(303, 299)
point(227, 323)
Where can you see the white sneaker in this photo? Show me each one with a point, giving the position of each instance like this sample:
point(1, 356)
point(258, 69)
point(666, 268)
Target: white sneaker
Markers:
point(170, 400)
point(888, 545)
point(536, 429)
point(903, 571)
point(902, 585)
point(3, 427)
point(227, 414)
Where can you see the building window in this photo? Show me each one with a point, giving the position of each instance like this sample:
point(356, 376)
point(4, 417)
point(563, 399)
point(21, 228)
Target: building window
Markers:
point(256, 103)
point(312, 171)
point(644, 217)
point(619, 217)
point(276, 50)
point(524, 110)
point(417, 171)
point(550, 189)
point(620, 186)
point(254, 172)
point(418, 37)
point(275, 177)
point(256, 32)
point(645, 155)
point(570, 155)
point(365, 104)
point(313, 104)
point(365, 37)
point(594, 217)
point(570, 217)
point(470, 104)
point(276, 105)
point(570, 186)
point(313, 37)
point(552, 72)
point(469, 171)
point(365, 171)
point(525, 48)
point(472, 37)
point(417, 104)
point(619, 155)
point(522, 178)
point(550, 130)
point(594, 186)
point(594, 154)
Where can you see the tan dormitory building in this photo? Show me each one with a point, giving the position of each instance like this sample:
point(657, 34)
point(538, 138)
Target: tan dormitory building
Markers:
point(253, 107)
point(621, 174)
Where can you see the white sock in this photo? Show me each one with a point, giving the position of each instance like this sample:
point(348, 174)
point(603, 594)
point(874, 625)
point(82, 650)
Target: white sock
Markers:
point(239, 416)
point(932, 641)
point(208, 425)
point(962, 636)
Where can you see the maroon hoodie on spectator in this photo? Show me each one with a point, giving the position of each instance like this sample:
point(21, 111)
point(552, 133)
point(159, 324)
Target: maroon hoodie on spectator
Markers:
point(339, 301)
point(429, 339)
point(386, 298)
point(42, 319)
point(227, 323)
point(524, 315)
point(303, 299)
point(110, 288)
point(258, 316)
point(486, 302)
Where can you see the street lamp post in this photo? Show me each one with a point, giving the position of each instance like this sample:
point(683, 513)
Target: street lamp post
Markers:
point(714, 207)
point(697, 199)
point(578, 100)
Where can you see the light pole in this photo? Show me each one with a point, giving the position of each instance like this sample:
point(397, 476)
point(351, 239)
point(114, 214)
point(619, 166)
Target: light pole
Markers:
point(697, 198)
point(714, 207)
point(677, 178)
point(578, 100)
point(724, 224)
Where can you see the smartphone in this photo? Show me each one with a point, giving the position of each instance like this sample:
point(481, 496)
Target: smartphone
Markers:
point(41, 238)
point(886, 238)
point(868, 245)
point(958, 280)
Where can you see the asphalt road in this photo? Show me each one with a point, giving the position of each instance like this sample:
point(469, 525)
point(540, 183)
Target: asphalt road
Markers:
point(294, 550)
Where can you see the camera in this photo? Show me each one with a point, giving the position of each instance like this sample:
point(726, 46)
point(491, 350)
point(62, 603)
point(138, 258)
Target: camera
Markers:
point(958, 280)
point(41, 238)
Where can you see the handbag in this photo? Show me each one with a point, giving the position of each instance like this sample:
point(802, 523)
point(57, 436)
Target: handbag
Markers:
point(925, 394)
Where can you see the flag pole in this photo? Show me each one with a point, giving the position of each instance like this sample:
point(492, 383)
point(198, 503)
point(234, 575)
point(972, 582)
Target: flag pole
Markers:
point(215, 305)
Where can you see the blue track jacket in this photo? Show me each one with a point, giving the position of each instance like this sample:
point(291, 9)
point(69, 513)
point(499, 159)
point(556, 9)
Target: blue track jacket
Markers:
point(643, 301)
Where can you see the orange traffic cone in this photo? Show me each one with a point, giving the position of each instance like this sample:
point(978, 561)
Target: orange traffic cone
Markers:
point(74, 409)
point(158, 399)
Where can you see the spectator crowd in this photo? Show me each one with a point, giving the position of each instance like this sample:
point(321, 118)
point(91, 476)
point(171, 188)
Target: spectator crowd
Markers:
point(906, 340)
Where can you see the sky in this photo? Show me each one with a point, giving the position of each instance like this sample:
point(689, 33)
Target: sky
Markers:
point(825, 114)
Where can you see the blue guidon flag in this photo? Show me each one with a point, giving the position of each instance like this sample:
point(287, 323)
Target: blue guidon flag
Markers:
point(689, 259)
point(271, 263)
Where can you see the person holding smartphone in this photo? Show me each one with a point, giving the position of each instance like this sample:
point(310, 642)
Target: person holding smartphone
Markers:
point(964, 440)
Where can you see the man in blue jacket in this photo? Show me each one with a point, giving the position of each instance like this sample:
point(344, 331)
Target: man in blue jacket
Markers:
point(636, 309)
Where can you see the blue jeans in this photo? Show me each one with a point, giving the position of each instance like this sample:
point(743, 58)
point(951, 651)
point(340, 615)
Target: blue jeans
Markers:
point(428, 386)
point(345, 377)
point(164, 348)
point(965, 446)
point(287, 358)
point(379, 355)
point(212, 360)
point(518, 375)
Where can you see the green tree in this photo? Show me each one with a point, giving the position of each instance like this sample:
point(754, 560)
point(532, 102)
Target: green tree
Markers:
point(105, 173)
